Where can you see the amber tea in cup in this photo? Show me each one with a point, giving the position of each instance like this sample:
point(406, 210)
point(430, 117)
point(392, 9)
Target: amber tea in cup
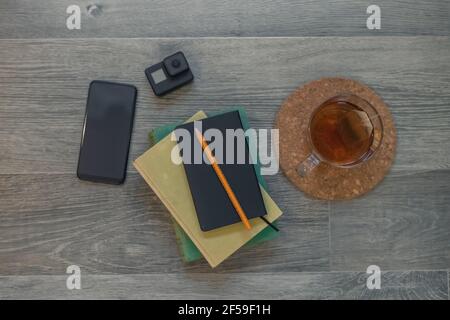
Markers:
point(343, 132)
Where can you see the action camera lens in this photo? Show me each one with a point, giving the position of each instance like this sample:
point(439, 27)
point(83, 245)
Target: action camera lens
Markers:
point(175, 63)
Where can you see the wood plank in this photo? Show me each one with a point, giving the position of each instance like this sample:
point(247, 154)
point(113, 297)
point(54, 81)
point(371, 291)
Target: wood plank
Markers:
point(213, 18)
point(403, 224)
point(337, 285)
point(43, 88)
point(50, 221)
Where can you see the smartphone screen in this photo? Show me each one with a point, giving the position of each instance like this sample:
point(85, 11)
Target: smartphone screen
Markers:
point(105, 140)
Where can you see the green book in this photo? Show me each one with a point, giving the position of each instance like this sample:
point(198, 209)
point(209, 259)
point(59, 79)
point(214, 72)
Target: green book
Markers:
point(188, 249)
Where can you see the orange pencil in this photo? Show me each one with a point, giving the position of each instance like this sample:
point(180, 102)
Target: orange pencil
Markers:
point(223, 179)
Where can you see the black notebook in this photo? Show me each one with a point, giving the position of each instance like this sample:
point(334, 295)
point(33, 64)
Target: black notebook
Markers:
point(213, 206)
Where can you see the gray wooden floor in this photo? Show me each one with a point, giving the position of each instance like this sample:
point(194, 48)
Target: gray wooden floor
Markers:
point(248, 53)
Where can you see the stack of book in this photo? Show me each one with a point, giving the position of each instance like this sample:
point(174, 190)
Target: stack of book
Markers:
point(205, 222)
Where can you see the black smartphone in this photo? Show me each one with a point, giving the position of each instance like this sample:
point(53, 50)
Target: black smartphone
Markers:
point(105, 140)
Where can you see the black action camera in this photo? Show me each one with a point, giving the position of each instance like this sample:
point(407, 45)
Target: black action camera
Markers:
point(170, 74)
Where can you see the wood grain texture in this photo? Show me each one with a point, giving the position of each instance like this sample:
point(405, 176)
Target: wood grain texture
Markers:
point(337, 285)
point(44, 84)
point(403, 224)
point(122, 237)
point(212, 18)
point(50, 221)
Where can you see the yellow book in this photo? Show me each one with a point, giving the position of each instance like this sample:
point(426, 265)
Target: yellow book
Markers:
point(168, 181)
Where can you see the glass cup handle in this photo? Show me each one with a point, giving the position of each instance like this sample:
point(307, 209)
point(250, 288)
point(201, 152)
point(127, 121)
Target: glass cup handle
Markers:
point(308, 165)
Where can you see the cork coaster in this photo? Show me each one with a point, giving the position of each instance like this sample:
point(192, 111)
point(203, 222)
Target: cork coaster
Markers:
point(325, 181)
